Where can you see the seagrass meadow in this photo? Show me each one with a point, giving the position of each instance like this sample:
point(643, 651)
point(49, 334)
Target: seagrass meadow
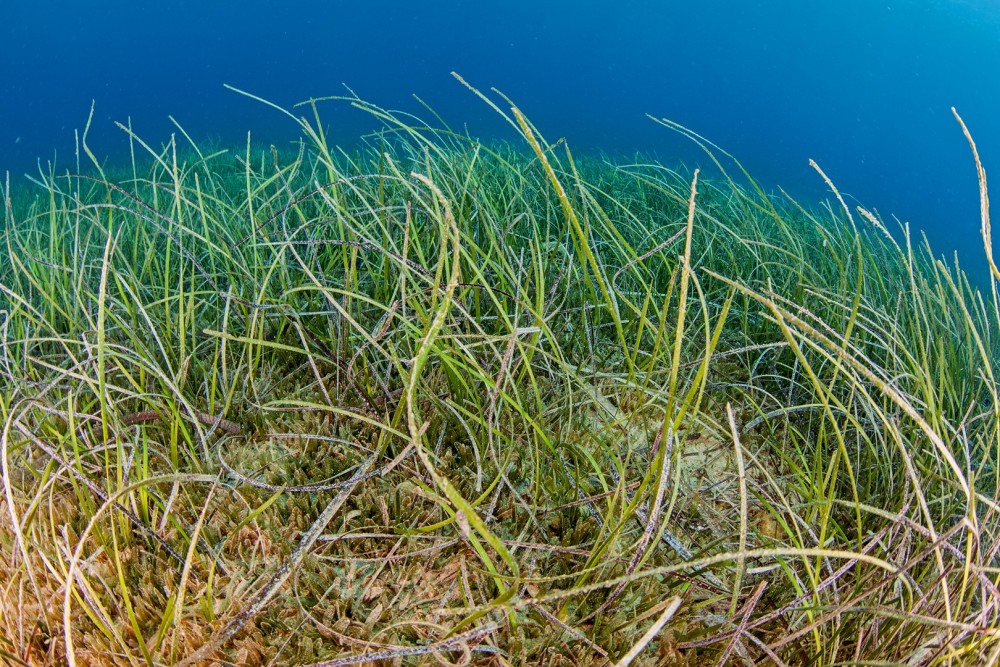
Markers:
point(437, 401)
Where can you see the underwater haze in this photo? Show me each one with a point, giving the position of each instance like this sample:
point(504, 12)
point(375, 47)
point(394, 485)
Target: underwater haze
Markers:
point(863, 87)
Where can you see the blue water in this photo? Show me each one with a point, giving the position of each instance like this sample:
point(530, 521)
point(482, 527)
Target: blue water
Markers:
point(862, 86)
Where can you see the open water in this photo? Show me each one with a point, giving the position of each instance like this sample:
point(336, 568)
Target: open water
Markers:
point(864, 87)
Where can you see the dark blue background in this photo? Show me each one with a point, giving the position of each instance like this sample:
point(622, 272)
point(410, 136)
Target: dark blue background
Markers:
point(862, 86)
